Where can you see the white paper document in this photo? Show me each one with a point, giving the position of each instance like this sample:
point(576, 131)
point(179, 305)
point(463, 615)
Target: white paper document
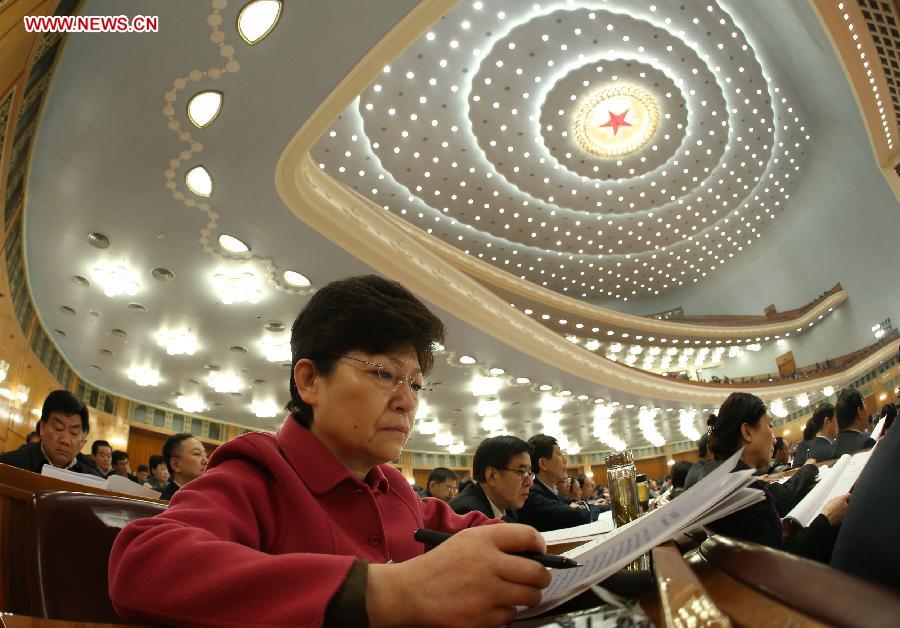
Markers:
point(115, 483)
point(603, 525)
point(608, 553)
point(834, 481)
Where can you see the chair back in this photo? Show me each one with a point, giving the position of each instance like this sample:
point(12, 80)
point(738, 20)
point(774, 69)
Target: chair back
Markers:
point(72, 537)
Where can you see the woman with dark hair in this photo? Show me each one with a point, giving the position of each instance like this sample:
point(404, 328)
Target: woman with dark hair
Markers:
point(801, 453)
point(826, 428)
point(743, 423)
point(312, 525)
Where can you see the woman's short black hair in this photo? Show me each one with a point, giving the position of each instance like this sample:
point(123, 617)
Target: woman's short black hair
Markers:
point(65, 402)
point(679, 473)
point(366, 313)
point(725, 428)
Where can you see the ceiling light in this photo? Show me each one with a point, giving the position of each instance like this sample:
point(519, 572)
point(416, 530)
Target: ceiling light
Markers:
point(802, 400)
point(493, 423)
point(225, 382)
point(428, 428)
point(203, 108)
point(115, 279)
point(264, 409)
point(828, 391)
point(485, 386)
point(198, 181)
point(573, 449)
point(523, 380)
point(422, 410)
point(545, 387)
point(550, 403)
point(497, 371)
point(456, 448)
point(295, 279)
point(143, 375)
point(4, 370)
point(276, 348)
point(442, 439)
point(466, 359)
point(489, 407)
point(686, 424)
point(257, 19)
point(647, 423)
point(190, 403)
point(177, 342)
point(777, 408)
point(232, 244)
point(237, 287)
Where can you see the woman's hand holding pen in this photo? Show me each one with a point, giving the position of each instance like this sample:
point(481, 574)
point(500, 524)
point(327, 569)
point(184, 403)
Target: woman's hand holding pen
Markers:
point(469, 580)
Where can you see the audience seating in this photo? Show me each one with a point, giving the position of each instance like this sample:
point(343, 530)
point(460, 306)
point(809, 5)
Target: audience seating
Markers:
point(69, 550)
point(17, 487)
point(796, 587)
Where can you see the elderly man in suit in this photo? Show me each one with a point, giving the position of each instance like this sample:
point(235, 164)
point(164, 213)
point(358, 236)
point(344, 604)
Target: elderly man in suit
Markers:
point(852, 419)
point(502, 471)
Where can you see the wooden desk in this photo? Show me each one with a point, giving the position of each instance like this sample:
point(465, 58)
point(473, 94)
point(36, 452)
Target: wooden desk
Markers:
point(16, 490)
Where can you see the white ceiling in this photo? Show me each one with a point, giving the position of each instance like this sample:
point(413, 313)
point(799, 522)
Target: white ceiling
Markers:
point(104, 146)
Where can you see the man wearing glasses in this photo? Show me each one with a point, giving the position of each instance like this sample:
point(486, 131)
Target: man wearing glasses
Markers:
point(503, 477)
point(313, 526)
point(545, 508)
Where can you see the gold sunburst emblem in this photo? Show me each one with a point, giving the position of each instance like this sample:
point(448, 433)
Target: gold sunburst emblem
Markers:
point(616, 121)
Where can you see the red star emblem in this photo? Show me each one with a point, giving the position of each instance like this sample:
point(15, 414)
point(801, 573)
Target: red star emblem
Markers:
point(616, 121)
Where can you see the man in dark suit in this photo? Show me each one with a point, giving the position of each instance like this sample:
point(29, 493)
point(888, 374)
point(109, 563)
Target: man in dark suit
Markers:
point(64, 428)
point(545, 509)
point(699, 469)
point(502, 470)
point(866, 544)
point(852, 419)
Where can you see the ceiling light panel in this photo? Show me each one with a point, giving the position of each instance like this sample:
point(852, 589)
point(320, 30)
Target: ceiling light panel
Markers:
point(203, 108)
point(115, 279)
point(232, 245)
point(237, 287)
point(199, 181)
point(470, 136)
point(257, 19)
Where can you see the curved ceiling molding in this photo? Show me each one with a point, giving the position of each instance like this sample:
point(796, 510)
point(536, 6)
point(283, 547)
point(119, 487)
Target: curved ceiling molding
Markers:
point(382, 241)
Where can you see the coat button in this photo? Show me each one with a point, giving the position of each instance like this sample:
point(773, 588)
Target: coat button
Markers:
point(374, 540)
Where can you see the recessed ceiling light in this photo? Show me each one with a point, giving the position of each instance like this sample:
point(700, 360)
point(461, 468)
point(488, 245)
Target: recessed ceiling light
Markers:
point(497, 371)
point(225, 382)
point(98, 240)
point(78, 280)
point(136, 307)
point(203, 108)
point(143, 375)
point(192, 403)
point(232, 244)
point(65, 309)
point(264, 409)
point(257, 19)
point(198, 181)
point(115, 279)
point(163, 274)
point(276, 349)
point(296, 279)
point(237, 287)
point(523, 380)
point(466, 359)
point(275, 326)
point(177, 342)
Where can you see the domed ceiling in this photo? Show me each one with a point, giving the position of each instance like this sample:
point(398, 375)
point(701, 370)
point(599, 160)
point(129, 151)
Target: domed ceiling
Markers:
point(599, 149)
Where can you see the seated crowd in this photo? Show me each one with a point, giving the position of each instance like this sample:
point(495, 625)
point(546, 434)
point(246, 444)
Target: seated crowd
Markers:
point(319, 502)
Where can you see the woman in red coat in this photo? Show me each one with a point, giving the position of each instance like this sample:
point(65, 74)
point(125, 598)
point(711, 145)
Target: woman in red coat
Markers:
point(312, 526)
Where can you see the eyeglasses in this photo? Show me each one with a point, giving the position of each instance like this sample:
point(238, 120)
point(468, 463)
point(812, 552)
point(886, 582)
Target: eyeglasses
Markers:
point(388, 380)
point(522, 473)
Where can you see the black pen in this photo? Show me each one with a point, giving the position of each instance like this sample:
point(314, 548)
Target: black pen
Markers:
point(433, 538)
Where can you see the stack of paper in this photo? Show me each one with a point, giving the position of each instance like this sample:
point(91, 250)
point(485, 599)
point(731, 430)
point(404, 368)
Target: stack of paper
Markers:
point(833, 482)
point(115, 483)
point(715, 496)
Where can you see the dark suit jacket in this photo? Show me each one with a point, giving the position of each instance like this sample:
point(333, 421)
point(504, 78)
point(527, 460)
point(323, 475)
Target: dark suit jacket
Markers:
point(546, 511)
point(761, 523)
point(800, 455)
point(821, 449)
point(171, 489)
point(851, 441)
point(866, 545)
point(31, 458)
point(473, 498)
point(698, 471)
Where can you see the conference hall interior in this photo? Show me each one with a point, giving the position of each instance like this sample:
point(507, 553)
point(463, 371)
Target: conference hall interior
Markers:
point(449, 313)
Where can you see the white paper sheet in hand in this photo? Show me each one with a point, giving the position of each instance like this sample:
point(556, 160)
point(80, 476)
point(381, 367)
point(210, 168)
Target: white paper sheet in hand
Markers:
point(606, 555)
point(811, 505)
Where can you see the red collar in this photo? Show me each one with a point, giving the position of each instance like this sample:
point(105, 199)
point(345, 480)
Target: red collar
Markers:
point(316, 465)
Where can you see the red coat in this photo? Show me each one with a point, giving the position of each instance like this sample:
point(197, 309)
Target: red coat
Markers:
point(267, 535)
